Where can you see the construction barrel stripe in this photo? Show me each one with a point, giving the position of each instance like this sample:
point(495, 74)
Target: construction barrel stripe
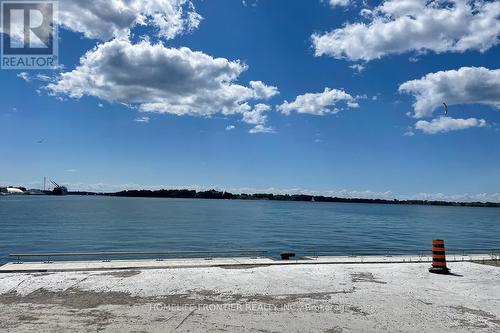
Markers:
point(438, 257)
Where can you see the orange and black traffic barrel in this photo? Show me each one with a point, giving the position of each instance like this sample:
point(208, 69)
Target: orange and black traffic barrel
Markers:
point(438, 258)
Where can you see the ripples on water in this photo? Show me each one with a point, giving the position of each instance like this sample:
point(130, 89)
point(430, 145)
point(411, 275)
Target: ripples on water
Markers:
point(79, 223)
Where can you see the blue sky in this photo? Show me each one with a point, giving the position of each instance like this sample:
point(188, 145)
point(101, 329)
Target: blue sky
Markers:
point(107, 129)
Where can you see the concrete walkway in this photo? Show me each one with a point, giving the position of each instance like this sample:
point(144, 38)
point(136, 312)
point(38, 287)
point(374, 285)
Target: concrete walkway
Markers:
point(257, 297)
point(63, 266)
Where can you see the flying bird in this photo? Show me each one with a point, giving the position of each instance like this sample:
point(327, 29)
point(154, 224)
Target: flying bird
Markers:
point(445, 109)
point(41, 141)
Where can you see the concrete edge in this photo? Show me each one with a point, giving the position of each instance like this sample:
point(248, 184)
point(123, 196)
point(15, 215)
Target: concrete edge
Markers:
point(41, 267)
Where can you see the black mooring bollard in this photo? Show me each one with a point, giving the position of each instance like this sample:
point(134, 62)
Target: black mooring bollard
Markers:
point(287, 255)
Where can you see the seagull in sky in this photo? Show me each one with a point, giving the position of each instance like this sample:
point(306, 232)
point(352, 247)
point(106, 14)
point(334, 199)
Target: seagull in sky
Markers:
point(445, 109)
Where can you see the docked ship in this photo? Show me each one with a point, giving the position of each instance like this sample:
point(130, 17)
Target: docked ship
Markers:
point(58, 189)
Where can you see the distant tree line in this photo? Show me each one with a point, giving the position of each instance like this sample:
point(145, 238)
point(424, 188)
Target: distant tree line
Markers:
point(213, 194)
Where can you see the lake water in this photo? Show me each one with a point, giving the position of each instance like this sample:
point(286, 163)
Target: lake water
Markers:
point(81, 223)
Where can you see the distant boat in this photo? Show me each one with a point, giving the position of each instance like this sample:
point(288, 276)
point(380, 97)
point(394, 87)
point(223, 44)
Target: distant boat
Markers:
point(58, 189)
point(312, 199)
point(35, 191)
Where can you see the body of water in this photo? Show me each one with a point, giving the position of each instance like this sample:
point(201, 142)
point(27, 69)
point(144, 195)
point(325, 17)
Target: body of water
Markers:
point(89, 223)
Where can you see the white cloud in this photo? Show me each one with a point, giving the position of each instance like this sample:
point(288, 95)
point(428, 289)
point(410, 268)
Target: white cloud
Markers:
point(158, 79)
point(142, 120)
point(447, 124)
point(251, 3)
point(467, 85)
point(256, 116)
point(409, 132)
point(340, 3)
point(357, 67)
point(25, 76)
point(37, 77)
point(398, 26)
point(105, 19)
point(366, 13)
point(352, 105)
point(43, 77)
point(230, 127)
point(465, 197)
point(261, 129)
point(263, 91)
point(319, 103)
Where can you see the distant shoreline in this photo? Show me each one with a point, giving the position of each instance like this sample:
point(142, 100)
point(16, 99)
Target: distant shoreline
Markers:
point(220, 195)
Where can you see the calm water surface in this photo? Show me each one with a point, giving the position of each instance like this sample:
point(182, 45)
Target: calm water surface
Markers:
point(79, 223)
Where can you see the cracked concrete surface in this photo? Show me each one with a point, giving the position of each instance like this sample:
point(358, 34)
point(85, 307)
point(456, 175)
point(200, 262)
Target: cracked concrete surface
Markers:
point(295, 298)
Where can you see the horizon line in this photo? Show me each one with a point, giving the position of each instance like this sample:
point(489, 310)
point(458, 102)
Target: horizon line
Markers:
point(104, 188)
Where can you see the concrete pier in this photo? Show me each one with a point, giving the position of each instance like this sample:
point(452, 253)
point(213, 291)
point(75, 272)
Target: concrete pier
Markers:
point(65, 266)
point(323, 294)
